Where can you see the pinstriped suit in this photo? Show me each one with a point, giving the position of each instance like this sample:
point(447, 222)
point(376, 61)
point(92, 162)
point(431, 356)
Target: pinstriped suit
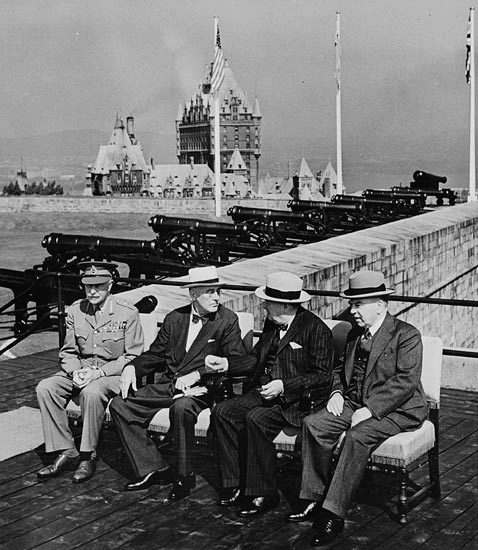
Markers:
point(167, 355)
point(303, 360)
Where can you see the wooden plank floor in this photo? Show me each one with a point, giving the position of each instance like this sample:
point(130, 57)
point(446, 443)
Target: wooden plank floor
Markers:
point(56, 514)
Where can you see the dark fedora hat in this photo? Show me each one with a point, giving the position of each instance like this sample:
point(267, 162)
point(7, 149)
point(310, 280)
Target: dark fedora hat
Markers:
point(366, 284)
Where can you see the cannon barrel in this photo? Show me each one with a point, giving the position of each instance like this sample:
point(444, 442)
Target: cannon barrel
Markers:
point(308, 206)
point(243, 213)
point(169, 224)
point(354, 199)
point(424, 180)
point(59, 243)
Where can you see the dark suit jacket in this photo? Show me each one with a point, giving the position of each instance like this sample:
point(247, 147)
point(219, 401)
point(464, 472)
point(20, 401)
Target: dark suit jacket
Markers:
point(303, 360)
point(167, 354)
point(392, 386)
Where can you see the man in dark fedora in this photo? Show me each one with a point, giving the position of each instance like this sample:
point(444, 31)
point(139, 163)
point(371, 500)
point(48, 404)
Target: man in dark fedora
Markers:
point(103, 334)
point(293, 354)
point(375, 393)
point(194, 341)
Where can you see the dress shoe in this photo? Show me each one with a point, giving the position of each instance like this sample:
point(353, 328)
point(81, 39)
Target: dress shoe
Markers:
point(259, 505)
point(182, 486)
point(230, 496)
point(158, 477)
point(85, 471)
point(60, 464)
point(308, 512)
point(330, 526)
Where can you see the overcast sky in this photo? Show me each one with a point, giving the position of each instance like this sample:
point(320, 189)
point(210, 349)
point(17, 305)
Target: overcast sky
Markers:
point(74, 64)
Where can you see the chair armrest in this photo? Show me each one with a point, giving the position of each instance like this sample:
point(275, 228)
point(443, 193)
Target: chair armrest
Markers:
point(313, 399)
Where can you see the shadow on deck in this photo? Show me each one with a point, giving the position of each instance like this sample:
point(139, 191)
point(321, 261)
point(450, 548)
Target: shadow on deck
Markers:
point(99, 515)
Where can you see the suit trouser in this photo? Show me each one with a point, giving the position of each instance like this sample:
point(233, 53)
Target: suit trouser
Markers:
point(53, 395)
point(246, 427)
point(133, 415)
point(321, 432)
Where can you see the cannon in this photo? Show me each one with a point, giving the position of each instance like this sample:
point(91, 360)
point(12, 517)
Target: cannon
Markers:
point(217, 243)
point(142, 257)
point(337, 218)
point(409, 204)
point(281, 226)
point(376, 210)
point(430, 184)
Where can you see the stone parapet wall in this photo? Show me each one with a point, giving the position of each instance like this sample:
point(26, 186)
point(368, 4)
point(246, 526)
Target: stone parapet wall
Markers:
point(431, 255)
point(183, 207)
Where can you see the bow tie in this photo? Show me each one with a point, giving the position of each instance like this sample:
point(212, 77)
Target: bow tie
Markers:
point(203, 318)
point(282, 327)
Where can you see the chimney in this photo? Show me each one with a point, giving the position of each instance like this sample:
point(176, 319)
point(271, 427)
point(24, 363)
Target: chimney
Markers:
point(130, 126)
point(152, 163)
point(191, 162)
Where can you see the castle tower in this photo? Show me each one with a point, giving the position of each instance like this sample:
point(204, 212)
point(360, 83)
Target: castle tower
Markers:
point(240, 126)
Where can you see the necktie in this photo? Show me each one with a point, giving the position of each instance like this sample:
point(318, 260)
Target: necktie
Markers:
point(366, 341)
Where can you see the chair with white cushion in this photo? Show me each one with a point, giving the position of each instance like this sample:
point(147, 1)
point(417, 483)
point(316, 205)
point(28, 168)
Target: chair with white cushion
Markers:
point(398, 454)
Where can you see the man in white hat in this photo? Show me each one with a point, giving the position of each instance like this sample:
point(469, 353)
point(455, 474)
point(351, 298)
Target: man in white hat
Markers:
point(103, 333)
point(194, 341)
point(375, 393)
point(293, 354)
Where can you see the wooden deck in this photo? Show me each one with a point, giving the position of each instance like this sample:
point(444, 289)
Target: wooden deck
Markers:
point(57, 514)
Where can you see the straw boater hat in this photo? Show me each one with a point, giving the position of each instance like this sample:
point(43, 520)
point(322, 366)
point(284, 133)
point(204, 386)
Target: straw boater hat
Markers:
point(203, 276)
point(366, 284)
point(283, 287)
point(95, 273)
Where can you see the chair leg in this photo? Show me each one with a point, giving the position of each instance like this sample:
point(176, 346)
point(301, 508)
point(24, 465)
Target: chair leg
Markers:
point(434, 472)
point(402, 496)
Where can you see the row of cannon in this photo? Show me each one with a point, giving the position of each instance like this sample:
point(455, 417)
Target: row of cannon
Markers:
point(181, 243)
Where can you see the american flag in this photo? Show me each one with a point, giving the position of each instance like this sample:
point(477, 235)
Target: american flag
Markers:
point(468, 52)
point(217, 75)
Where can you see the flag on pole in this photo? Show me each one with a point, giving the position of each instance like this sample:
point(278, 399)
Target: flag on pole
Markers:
point(217, 75)
point(337, 53)
point(468, 52)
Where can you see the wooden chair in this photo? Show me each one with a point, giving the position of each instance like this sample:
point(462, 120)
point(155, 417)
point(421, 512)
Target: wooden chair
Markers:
point(400, 453)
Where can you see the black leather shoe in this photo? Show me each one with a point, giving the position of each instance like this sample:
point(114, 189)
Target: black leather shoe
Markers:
point(85, 471)
point(259, 505)
point(330, 528)
point(60, 464)
point(229, 496)
point(158, 477)
point(308, 512)
point(182, 486)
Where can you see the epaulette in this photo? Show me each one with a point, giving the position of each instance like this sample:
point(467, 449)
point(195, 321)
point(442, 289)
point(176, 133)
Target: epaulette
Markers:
point(124, 303)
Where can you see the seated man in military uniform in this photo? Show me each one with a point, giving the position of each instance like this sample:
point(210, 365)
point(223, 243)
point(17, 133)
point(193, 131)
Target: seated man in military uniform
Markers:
point(103, 334)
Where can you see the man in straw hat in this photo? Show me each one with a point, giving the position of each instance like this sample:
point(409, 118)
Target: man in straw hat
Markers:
point(375, 393)
point(293, 354)
point(103, 333)
point(200, 338)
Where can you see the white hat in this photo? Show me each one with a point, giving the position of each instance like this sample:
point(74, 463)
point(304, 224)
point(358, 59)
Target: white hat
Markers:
point(283, 287)
point(366, 284)
point(203, 276)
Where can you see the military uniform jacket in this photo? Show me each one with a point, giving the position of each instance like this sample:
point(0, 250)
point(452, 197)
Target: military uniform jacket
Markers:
point(110, 342)
point(391, 386)
point(167, 355)
point(303, 360)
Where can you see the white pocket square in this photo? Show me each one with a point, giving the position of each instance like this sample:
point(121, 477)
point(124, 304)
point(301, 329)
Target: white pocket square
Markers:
point(295, 345)
point(209, 341)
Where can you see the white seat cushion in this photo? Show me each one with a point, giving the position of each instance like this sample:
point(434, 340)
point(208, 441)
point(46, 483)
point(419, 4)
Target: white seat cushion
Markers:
point(402, 449)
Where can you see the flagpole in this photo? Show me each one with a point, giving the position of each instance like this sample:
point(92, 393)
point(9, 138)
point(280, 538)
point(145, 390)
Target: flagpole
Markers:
point(472, 177)
point(338, 106)
point(217, 140)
